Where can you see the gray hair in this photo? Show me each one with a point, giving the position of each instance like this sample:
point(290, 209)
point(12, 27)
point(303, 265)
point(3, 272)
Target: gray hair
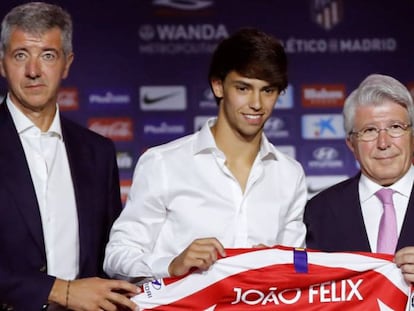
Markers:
point(37, 18)
point(373, 91)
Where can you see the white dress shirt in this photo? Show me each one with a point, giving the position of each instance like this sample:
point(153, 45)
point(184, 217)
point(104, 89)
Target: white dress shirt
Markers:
point(49, 167)
point(372, 208)
point(183, 191)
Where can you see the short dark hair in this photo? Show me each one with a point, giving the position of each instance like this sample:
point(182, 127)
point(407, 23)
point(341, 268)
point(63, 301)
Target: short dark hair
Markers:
point(253, 54)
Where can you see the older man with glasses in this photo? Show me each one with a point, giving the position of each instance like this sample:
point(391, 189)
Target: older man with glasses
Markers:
point(374, 210)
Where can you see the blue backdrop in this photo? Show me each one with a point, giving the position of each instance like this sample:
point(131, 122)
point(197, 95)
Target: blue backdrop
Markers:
point(140, 70)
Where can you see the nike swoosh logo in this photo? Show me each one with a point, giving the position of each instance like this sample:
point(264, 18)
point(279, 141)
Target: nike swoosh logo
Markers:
point(148, 100)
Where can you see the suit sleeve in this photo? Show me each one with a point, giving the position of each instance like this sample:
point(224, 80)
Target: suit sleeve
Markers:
point(19, 289)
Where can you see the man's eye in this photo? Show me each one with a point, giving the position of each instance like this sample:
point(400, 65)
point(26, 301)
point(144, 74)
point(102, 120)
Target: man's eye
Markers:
point(20, 56)
point(270, 90)
point(369, 130)
point(396, 127)
point(48, 56)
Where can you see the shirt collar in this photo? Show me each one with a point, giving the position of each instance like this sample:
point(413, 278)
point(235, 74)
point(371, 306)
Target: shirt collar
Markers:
point(403, 186)
point(23, 123)
point(206, 142)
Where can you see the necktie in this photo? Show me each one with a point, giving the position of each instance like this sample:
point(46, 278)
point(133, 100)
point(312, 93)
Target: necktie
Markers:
point(387, 234)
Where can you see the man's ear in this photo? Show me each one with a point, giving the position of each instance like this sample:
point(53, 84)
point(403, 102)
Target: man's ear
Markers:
point(69, 60)
point(350, 145)
point(2, 72)
point(217, 87)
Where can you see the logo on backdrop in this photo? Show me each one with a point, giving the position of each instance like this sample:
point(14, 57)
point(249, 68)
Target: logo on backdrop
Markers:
point(285, 100)
point(207, 101)
point(184, 5)
point(323, 95)
point(327, 13)
point(162, 127)
point(174, 39)
point(124, 160)
point(68, 99)
point(324, 158)
point(322, 126)
point(278, 127)
point(163, 98)
point(117, 129)
point(109, 98)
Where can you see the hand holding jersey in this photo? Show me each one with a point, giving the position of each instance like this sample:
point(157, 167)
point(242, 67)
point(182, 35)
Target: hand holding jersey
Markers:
point(201, 254)
point(404, 259)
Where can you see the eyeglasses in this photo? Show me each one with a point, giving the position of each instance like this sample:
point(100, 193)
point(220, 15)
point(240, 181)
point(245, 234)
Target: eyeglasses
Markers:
point(371, 133)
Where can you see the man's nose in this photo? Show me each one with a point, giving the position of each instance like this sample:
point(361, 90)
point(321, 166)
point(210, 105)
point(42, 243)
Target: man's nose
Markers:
point(33, 68)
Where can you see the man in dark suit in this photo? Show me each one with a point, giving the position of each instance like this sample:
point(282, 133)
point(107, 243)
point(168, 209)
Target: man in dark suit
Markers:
point(349, 216)
point(59, 186)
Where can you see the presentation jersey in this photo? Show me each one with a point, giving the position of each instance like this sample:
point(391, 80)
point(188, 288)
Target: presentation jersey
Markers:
point(286, 279)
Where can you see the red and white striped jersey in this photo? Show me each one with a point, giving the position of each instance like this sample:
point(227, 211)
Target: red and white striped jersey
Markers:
point(285, 279)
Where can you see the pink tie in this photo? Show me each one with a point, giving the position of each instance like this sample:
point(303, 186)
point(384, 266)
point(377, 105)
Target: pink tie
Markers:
point(387, 234)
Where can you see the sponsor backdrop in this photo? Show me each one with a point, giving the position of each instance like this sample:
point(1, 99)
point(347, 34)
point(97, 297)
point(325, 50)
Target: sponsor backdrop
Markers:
point(139, 75)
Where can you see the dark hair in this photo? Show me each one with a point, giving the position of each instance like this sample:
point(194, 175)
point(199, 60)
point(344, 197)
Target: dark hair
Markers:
point(37, 18)
point(253, 54)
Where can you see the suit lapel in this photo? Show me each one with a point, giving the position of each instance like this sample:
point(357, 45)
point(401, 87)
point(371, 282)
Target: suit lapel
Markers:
point(15, 176)
point(350, 216)
point(79, 162)
point(356, 218)
point(406, 237)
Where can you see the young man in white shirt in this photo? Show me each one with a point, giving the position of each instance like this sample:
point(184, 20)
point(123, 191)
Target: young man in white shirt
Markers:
point(225, 186)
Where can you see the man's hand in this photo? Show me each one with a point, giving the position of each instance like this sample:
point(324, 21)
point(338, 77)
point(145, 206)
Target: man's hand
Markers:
point(404, 259)
point(201, 254)
point(94, 294)
point(260, 246)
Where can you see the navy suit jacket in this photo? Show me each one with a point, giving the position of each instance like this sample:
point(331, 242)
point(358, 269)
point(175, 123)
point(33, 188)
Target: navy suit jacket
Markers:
point(24, 282)
point(334, 220)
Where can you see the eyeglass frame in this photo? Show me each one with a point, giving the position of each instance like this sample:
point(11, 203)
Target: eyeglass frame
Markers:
point(358, 134)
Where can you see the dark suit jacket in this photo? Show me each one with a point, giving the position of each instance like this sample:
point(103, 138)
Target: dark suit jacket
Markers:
point(24, 283)
point(334, 220)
